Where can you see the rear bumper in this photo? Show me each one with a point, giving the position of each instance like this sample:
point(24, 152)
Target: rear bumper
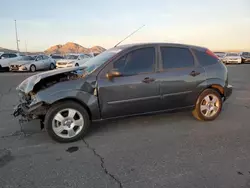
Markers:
point(228, 90)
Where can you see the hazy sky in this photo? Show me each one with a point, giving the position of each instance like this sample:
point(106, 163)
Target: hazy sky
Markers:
point(217, 24)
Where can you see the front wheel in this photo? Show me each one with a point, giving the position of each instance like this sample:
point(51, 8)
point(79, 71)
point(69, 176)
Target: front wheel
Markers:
point(67, 121)
point(52, 66)
point(32, 68)
point(208, 105)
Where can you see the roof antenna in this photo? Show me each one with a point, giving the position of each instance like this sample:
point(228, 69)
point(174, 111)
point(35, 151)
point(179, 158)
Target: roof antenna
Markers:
point(129, 36)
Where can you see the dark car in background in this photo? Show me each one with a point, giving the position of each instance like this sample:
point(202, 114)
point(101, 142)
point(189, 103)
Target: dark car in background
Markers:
point(56, 57)
point(245, 57)
point(127, 80)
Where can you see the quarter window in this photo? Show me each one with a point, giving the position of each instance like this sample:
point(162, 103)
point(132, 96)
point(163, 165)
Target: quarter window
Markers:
point(136, 62)
point(173, 57)
point(204, 58)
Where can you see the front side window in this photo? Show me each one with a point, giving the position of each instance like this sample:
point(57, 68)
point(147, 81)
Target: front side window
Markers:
point(136, 62)
point(174, 57)
point(12, 55)
point(5, 56)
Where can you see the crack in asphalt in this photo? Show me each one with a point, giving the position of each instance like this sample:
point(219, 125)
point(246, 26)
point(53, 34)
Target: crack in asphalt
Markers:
point(102, 164)
point(17, 133)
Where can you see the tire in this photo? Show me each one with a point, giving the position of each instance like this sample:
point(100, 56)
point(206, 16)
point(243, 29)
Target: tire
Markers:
point(52, 66)
point(63, 136)
point(76, 65)
point(200, 113)
point(32, 68)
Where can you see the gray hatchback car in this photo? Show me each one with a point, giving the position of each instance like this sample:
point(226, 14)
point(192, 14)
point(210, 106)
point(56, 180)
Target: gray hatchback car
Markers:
point(123, 81)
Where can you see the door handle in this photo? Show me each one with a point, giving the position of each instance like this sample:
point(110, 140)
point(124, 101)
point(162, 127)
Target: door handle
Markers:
point(194, 73)
point(148, 80)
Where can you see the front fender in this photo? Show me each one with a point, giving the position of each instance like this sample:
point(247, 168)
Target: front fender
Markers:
point(87, 98)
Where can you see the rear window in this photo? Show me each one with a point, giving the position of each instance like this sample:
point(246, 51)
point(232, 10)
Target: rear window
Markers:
point(204, 58)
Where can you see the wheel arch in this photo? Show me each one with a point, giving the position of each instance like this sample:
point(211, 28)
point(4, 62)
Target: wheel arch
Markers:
point(215, 84)
point(75, 100)
point(217, 88)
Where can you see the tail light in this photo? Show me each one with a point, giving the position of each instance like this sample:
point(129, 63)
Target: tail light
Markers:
point(209, 52)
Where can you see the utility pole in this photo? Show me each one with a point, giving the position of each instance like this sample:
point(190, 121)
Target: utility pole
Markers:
point(17, 40)
point(26, 47)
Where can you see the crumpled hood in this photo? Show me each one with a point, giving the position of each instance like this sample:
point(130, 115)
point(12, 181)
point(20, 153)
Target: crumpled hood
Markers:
point(28, 84)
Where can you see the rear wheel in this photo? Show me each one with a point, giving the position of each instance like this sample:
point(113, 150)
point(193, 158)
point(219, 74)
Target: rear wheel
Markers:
point(32, 68)
point(208, 105)
point(67, 121)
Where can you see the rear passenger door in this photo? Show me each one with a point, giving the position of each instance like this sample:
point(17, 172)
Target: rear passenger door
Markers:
point(46, 62)
point(180, 77)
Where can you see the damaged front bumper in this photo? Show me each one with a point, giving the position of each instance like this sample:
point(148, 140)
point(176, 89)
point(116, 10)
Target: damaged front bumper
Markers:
point(29, 112)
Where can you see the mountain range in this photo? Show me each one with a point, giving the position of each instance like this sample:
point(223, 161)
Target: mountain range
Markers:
point(69, 47)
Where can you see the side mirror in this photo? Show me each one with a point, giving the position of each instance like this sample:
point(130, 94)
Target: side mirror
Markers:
point(113, 73)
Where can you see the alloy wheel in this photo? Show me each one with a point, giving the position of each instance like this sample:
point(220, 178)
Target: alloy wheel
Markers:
point(210, 105)
point(67, 123)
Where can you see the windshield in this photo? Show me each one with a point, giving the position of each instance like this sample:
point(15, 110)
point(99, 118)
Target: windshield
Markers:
point(95, 62)
point(71, 56)
point(27, 58)
point(232, 54)
point(246, 53)
point(56, 57)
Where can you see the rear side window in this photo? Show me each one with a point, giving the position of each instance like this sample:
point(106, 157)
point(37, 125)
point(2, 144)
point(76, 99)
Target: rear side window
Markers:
point(204, 58)
point(174, 57)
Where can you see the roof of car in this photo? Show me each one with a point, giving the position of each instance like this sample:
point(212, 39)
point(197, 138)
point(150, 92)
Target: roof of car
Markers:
point(124, 46)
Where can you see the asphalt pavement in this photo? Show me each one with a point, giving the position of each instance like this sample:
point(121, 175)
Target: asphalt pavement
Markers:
point(167, 150)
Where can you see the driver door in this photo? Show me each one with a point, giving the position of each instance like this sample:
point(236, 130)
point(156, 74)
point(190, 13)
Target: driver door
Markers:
point(39, 62)
point(136, 91)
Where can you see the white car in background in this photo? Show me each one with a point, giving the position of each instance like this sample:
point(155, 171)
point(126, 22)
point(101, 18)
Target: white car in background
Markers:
point(232, 57)
point(32, 64)
point(73, 60)
point(220, 55)
point(7, 58)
